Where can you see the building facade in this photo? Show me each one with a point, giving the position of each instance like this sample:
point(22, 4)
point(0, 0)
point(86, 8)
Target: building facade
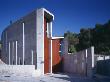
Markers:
point(29, 41)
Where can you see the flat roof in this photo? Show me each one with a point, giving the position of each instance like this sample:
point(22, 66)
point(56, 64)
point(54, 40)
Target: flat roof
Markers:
point(57, 37)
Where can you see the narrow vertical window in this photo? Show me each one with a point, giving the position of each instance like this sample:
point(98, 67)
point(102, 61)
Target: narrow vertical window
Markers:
point(47, 29)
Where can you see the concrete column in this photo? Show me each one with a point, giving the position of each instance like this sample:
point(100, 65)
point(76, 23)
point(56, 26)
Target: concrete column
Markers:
point(32, 57)
point(23, 44)
point(90, 61)
point(13, 50)
point(50, 26)
point(9, 53)
point(40, 41)
point(92, 52)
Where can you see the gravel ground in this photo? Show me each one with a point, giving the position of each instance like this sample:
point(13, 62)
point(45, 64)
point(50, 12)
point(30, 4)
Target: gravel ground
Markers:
point(48, 78)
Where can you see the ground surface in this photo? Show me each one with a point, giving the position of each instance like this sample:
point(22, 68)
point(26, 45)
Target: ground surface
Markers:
point(50, 78)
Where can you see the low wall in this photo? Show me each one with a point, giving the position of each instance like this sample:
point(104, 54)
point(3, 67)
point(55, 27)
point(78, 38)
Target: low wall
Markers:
point(103, 67)
point(17, 70)
point(81, 63)
point(98, 57)
point(75, 63)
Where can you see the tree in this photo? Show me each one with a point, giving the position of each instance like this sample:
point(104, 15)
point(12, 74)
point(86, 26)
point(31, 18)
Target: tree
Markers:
point(85, 37)
point(99, 37)
point(72, 41)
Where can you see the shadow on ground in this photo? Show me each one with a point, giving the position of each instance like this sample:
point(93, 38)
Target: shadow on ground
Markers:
point(73, 78)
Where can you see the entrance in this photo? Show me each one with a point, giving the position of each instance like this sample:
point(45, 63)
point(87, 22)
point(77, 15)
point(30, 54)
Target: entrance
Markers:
point(46, 48)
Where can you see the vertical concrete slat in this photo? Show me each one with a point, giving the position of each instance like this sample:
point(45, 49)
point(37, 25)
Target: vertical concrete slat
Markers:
point(13, 53)
point(32, 57)
point(40, 41)
point(23, 44)
point(9, 53)
point(90, 61)
point(51, 47)
point(16, 51)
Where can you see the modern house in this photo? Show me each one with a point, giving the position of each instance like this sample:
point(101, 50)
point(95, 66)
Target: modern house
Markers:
point(29, 41)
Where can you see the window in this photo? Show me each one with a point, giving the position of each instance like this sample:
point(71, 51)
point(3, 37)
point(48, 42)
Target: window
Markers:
point(47, 30)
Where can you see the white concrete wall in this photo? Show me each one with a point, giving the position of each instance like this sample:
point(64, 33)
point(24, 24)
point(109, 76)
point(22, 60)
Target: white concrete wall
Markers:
point(40, 38)
point(40, 41)
point(17, 70)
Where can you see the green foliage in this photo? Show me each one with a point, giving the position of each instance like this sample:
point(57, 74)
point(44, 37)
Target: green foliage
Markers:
point(99, 37)
point(72, 41)
point(72, 49)
point(84, 39)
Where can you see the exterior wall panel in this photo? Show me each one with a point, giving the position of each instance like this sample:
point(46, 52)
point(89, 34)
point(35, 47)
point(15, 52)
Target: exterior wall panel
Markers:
point(15, 33)
point(46, 48)
point(28, 37)
point(57, 60)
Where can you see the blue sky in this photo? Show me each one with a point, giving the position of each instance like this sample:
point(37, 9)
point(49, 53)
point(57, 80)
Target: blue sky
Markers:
point(69, 14)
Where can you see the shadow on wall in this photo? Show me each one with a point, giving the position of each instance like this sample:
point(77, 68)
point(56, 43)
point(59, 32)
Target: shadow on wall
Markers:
point(58, 67)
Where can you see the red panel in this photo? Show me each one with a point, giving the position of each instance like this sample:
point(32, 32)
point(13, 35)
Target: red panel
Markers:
point(46, 49)
point(56, 62)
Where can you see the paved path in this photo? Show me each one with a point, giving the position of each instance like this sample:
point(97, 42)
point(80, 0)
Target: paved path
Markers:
point(48, 78)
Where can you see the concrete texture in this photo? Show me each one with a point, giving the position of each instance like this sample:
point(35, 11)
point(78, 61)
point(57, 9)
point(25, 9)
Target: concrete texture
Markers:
point(90, 61)
point(81, 63)
point(18, 70)
point(40, 40)
point(75, 63)
point(23, 40)
point(48, 78)
point(14, 33)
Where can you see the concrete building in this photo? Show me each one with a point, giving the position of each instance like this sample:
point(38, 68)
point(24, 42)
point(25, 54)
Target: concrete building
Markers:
point(29, 41)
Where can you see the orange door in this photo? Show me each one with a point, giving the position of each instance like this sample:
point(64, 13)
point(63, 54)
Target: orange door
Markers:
point(56, 58)
point(46, 48)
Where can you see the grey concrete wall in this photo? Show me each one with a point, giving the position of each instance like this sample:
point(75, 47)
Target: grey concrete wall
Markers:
point(13, 33)
point(75, 63)
point(81, 63)
point(30, 40)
